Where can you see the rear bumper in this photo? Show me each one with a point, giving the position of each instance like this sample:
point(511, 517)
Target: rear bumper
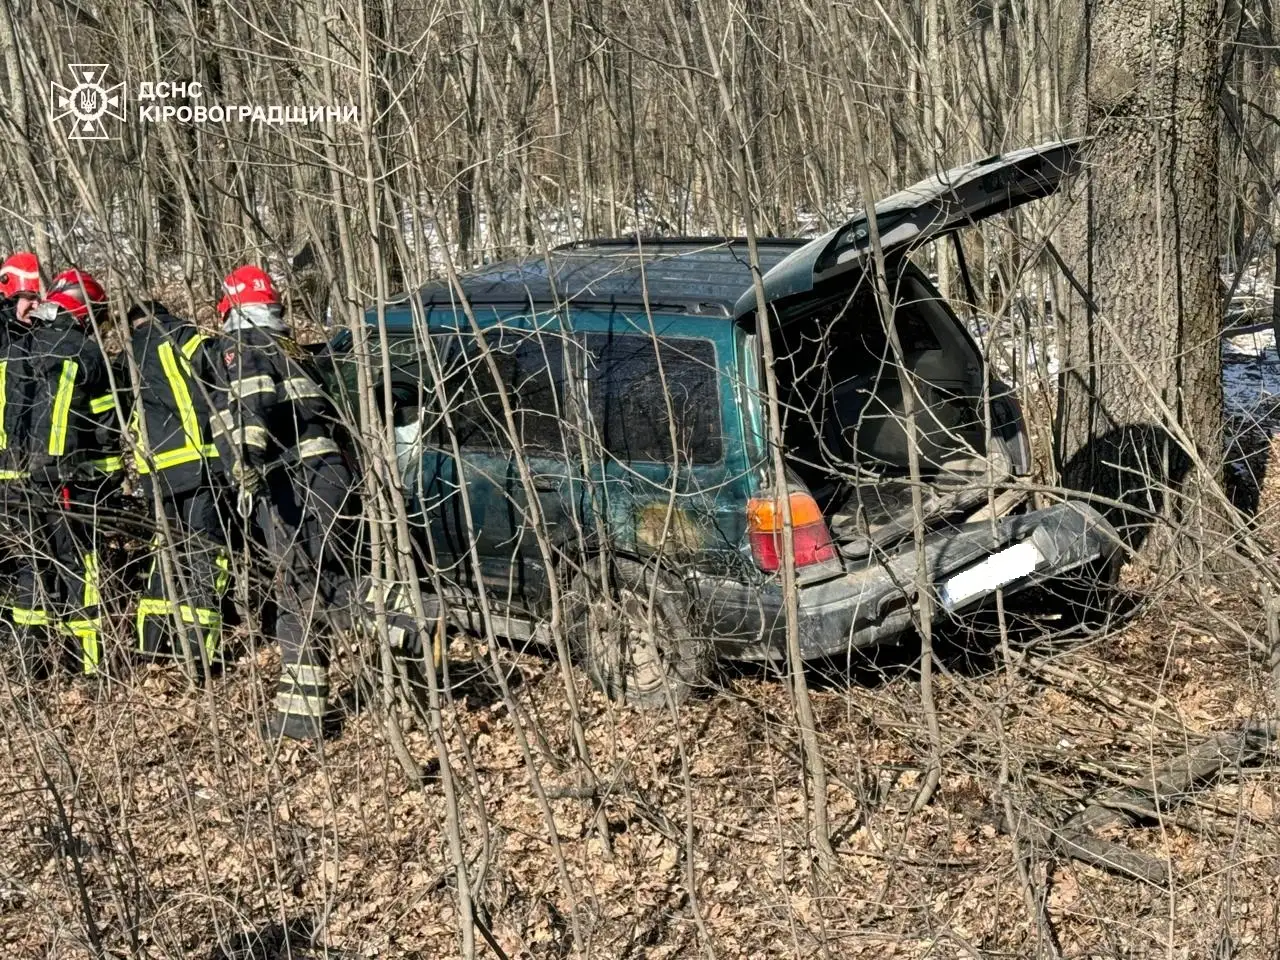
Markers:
point(877, 601)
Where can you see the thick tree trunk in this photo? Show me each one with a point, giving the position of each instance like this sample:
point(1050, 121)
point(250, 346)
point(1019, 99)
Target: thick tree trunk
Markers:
point(1143, 368)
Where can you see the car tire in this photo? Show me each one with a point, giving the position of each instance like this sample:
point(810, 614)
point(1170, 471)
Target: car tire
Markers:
point(644, 663)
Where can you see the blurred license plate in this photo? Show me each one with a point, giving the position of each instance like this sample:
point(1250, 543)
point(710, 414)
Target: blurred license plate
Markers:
point(995, 571)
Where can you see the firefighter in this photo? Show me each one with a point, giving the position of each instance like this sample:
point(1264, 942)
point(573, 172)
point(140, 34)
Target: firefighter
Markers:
point(178, 369)
point(284, 460)
point(20, 288)
point(58, 580)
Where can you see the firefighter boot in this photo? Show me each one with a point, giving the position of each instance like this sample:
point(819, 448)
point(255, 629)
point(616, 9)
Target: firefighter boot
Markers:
point(301, 696)
point(402, 625)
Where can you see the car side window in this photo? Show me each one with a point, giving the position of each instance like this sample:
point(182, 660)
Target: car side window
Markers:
point(410, 389)
point(629, 405)
point(410, 383)
point(530, 371)
point(411, 396)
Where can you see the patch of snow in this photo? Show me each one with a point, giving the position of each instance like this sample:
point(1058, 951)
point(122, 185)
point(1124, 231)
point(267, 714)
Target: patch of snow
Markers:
point(1252, 342)
point(1251, 378)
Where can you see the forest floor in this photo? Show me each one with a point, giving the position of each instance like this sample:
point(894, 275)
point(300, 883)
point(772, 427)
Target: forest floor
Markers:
point(143, 818)
point(150, 819)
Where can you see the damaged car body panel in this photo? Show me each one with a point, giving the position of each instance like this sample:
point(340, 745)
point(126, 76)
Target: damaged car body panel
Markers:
point(635, 376)
point(875, 601)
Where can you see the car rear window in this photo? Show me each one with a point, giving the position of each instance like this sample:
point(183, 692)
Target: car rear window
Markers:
point(629, 405)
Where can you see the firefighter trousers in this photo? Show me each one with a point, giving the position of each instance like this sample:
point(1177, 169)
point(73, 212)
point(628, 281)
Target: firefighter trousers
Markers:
point(199, 570)
point(309, 521)
point(56, 598)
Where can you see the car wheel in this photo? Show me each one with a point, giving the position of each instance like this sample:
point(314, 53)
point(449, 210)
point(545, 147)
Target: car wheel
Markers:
point(632, 658)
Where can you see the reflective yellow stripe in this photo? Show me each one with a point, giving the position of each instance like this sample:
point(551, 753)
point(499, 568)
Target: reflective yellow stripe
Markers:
point(148, 607)
point(317, 447)
point(4, 380)
point(176, 374)
point(301, 705)
point(29, 618)
point(249, 386)
point(175, 458)
point(86, 631)
point(62, 408)
point(108, 464)
point(204, 616)
point(191, 346)
point(102, 404)
point(14, 474)
point(181, 396)
point(223, 576)
point(152, 606)
point(91, 596)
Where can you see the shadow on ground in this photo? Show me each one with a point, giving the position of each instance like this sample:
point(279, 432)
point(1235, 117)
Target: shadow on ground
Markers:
point(1039, 621)
point(293, 940)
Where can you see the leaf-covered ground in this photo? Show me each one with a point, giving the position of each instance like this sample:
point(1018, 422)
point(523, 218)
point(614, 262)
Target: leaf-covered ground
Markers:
point(140, 818)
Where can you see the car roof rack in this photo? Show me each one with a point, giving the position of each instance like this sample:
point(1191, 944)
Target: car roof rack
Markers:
point(628, 243)
point(694, 275)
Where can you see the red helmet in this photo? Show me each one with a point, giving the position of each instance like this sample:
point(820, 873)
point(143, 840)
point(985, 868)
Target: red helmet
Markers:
point(246, 285)
point(77, 293)
point(20, 274)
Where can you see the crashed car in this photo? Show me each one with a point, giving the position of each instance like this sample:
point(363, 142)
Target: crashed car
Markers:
point(593, 424)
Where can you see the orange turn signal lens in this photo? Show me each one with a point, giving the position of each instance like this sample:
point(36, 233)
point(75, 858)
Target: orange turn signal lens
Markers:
point(764, 515)
point(810, 538)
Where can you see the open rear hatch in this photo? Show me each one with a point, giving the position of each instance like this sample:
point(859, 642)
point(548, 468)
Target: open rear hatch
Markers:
point(845, 424)
point(921, 213)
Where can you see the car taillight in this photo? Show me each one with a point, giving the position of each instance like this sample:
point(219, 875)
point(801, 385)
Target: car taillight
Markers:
point(810, 538)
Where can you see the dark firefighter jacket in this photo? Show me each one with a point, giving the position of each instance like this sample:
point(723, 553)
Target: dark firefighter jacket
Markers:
point(179, 371)
point(70, 399)
point(274, 410)
point(17, 393)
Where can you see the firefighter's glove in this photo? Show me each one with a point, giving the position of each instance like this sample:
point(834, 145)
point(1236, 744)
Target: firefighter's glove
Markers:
point(248, 482)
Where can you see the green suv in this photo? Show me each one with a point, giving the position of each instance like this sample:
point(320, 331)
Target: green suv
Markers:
point(592, 425)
